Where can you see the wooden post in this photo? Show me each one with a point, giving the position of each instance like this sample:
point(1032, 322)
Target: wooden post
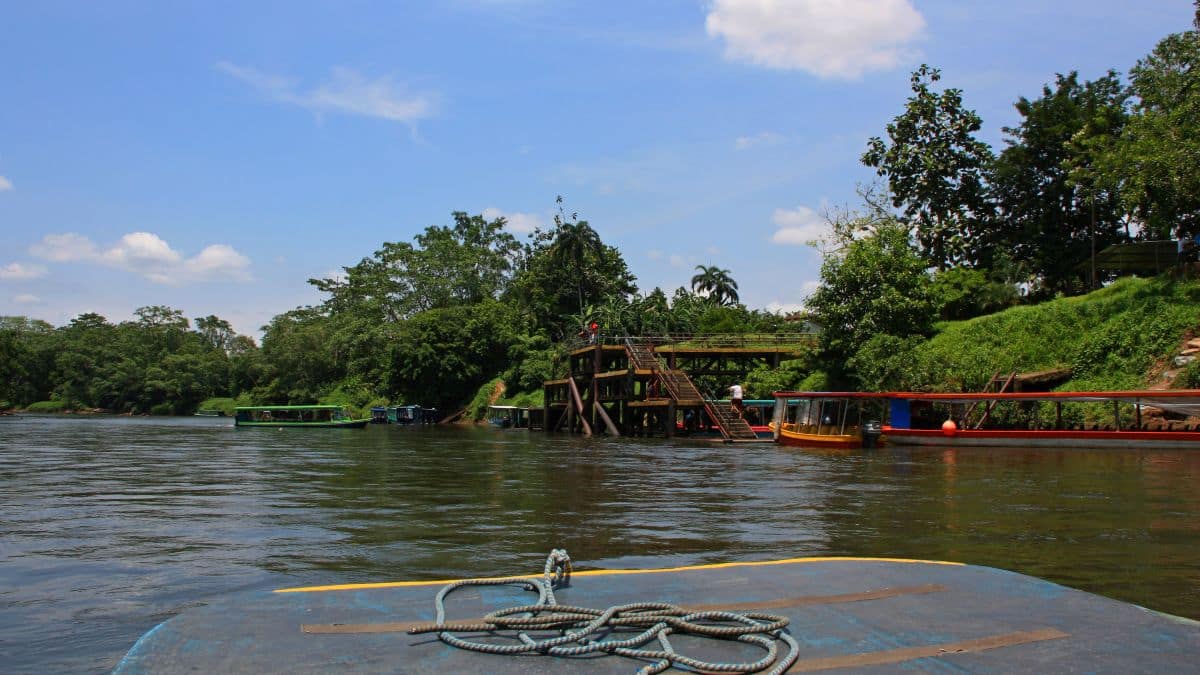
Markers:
point(608, 423)
point(669, 420)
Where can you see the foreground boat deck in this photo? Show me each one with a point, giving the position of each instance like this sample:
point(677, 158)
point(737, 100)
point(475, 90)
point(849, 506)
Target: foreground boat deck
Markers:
point(867, 615)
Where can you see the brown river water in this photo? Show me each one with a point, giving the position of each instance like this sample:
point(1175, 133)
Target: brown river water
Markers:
point(109, 525)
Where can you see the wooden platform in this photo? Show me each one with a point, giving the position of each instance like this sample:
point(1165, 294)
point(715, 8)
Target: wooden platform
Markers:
point(856, 615)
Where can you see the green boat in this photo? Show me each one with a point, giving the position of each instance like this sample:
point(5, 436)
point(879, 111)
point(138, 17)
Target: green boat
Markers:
point(279, 416)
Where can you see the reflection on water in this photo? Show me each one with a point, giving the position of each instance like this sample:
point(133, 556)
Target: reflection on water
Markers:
point(111, 525)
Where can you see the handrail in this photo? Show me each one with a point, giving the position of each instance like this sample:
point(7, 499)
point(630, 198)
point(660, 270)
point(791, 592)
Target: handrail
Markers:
point(714, 340)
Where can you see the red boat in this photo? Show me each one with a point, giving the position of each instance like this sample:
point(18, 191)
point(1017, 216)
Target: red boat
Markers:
point(1091, 419)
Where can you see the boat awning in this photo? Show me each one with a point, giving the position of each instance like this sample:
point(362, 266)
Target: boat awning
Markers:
point(1181, 401)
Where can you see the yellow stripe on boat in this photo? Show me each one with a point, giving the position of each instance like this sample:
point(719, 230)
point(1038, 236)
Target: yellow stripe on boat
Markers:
point(598, 573)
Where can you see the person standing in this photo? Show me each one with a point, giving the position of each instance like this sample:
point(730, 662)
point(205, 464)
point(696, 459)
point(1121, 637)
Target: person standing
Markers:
point(735, 398)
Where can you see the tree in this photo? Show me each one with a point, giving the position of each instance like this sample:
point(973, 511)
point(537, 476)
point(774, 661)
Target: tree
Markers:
point(717, 284)
point(1155, 158)
point(575, 243)
point(936, 170)
point(216, 332)
point(874, 285)
point(1052, 214)
point(564, 270)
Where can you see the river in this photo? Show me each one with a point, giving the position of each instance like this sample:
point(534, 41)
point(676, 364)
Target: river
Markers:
point(110, 525)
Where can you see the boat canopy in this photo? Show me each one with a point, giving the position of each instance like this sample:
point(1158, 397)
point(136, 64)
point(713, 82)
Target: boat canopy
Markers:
point(1181, 401)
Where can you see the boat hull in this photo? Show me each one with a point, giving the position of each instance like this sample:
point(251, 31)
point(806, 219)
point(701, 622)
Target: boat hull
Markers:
point(845, 612)
point(1049, 438)
point(801, 440)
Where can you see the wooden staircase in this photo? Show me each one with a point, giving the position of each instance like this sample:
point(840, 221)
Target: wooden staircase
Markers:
point(683, 390)
point(998, 385)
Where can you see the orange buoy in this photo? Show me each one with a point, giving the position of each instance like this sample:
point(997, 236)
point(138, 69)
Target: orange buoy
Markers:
point(949, 427)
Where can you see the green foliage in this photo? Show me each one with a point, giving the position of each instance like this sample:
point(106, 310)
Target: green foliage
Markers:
point(1052, 208)
point(817, 380)
point(1109, 337)
point(444, 355)
point(763, 381)
point(223, 404)
point(962, 293)
point(936, 169)
point(875, 285)
point(890, 363)
point(54, 406)
point(1153, 160)
point(1189, 377)
point(477, 407)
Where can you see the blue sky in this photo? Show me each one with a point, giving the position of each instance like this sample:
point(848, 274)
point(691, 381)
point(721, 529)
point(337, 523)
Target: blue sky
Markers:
point(214, 156)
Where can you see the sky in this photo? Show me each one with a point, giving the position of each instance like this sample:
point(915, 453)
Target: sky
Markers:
point(214, 156)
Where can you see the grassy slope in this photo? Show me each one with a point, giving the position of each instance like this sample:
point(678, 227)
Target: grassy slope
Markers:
point(1110, 338)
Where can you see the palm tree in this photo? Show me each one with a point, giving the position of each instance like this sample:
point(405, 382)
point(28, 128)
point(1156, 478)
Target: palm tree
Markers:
point(574, 242)
point(717, 284)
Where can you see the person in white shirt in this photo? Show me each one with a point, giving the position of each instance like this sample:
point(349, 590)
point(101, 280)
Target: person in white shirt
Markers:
point(735, 398)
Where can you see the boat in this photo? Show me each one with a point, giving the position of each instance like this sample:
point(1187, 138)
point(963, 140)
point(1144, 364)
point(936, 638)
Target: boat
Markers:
point(411, 414)
point(1056, 419)
point(306, 416)
point(806, 614)
point(508, 416)
point(209, 412)
point(824, 419)
point(379, 415)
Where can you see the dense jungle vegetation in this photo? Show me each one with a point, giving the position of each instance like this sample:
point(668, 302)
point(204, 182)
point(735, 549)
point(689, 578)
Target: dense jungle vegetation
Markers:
point(959, 263)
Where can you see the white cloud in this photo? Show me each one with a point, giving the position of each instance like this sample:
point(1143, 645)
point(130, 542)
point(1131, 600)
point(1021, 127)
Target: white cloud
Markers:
point(764, 138)
point(27, 299)
point(5, 184)
point(146, 254)
point(840, 39)
point(677, 261)
point(776, 307)
point(521, 223)
point(800, 225)
point(346, 91)
point(19, 271)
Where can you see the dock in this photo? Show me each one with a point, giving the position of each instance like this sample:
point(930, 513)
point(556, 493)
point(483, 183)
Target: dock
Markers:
point(638, 386)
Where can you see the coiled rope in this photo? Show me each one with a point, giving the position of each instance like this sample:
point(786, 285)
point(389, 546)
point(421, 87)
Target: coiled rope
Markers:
point(578, 625)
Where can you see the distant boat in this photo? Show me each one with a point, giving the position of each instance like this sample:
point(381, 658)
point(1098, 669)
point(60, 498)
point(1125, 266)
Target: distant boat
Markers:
point(1122, 419)
point(508, 416)
point(207, 412)
point(411, 414)
point(307, 416)
point(823, 419)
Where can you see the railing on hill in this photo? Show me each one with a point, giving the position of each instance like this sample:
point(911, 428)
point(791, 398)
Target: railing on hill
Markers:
point(701, 341)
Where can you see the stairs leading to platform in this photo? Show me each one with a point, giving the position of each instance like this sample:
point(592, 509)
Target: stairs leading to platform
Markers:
point(681, 388)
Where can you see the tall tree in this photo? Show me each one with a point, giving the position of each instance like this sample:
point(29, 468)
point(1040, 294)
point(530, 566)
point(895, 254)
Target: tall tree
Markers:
point(1155, 158)
point(935, 168)
point(716, 283)
point(876, 284)
point(1052, 214)
point(566, 269)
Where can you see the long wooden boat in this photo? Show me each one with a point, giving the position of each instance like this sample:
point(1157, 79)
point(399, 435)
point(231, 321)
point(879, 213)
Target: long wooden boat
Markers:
point(302, 416)
point(508, 416)
point(824, 419)
point(854, 614)
point(1099, 419)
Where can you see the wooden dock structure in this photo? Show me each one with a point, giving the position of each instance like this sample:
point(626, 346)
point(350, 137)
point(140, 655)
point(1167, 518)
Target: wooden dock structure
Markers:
point(637, 386)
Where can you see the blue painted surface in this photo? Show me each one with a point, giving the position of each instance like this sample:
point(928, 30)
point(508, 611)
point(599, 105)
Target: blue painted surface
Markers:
point(900, 414)
point(261, 632)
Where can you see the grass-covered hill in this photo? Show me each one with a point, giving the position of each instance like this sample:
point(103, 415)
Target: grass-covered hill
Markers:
point(1114, 338)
